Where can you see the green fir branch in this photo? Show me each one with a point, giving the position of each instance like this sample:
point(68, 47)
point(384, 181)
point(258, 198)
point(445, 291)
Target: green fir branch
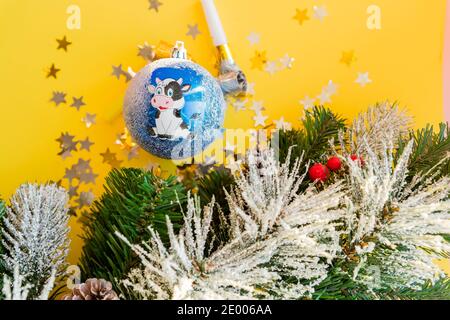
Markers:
point(133, 200)
point(429, 150)
point(320, 125)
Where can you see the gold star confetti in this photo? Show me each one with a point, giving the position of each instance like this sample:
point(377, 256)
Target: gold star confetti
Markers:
point(67, 145)
point(117, 71)
point(348, 57)
point(73, 191)
point(82, 171)
point(77, 103)
point(58, 97)
point(125, 141)
point(147, 52)
point(154, 5)
point(53, 71)
point(85, 199)
point(193, 31)
point(63, 43)
point(86, 144)
point(89, 119)
point(259, 60)
point(301, 16)
point(110, 158)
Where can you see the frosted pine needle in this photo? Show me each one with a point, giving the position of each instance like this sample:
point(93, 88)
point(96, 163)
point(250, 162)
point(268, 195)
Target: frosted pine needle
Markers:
point(396, 227)
point(19, 289)
point(35, 233)
point(275, 232)
point(380, 123)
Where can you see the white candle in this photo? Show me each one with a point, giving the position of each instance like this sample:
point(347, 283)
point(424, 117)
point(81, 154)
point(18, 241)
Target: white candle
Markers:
point(214, 24)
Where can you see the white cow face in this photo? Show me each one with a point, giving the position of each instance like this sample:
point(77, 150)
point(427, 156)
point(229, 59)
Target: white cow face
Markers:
point(168, 94)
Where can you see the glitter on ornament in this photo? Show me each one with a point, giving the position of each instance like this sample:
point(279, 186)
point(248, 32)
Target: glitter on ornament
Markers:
point(174, 108)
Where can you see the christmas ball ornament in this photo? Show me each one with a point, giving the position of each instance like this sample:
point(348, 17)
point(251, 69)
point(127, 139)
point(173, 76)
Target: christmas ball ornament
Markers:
point(173, 107)
point(334, 164)
point(318, 172)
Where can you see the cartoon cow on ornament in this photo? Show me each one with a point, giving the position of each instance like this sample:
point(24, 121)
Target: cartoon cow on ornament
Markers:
point(168, 100)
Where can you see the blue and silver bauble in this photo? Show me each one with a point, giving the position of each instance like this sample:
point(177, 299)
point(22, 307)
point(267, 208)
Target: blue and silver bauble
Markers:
point(174, 108)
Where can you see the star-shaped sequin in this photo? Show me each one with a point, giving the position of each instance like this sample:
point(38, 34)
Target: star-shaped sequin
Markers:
point(193, 31)
point(282, 125)
point(154, 5)
point(287, 61)
point(257, 106)
point(271, 67)
point(58, 97)
point(307, 102)
point(239, 105)
point(254, 38)
point(320, 12)
point(331, 88)
point(348, 57)
point(77, 103)
point(147, 52)
point(301, 16)
point(85, 199)
point(117, 71)
point(52, 71)
point(251, 88)
point(260, 119)
point(73, 191)
point(89, 119)
point(259, 60)
point(363, 79)
point(86, 144)
point(110, 158)
point(63, 43)
point(88, 177)
point(67, 143)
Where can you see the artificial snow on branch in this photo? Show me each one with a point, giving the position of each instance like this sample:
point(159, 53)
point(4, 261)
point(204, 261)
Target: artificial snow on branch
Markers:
point(35, 234)
point(19, 289)
point(396, 227)
point(380, 123)
point(276, 235)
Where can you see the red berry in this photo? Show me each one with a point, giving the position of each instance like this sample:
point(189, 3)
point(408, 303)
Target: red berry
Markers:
point(354, 157)
point(318, 172)
point(334, 164)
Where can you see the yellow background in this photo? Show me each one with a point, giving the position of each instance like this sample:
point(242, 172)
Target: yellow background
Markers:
point(404, 60)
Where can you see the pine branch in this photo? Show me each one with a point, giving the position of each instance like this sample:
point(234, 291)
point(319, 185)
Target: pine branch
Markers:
point(340, 286)
point(320, 125)
point(35, 234)
point(2, 267)
point(213, 186)
point(133, 200)
point(431, 150)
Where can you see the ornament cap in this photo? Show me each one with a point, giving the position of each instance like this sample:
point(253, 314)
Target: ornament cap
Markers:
point(179, 51)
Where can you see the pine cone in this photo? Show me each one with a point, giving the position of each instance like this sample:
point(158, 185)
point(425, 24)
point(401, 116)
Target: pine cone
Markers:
point(93, 289)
